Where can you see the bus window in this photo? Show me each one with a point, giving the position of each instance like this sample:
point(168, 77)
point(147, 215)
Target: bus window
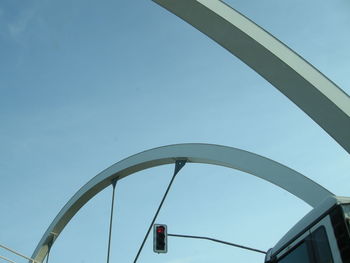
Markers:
point(321, 246)
point(341, 230)
point(299, 254)
point(314, 249)
point(346, 209)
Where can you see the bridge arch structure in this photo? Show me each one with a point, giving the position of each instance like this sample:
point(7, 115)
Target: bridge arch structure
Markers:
point(269, 170)
point(303, 84)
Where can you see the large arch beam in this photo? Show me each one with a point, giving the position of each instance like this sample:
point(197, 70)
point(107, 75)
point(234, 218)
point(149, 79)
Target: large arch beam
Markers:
point(303, 84)
point(248, 162)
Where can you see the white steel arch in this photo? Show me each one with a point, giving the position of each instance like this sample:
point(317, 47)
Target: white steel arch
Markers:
point(276, 173)
point(303, 84)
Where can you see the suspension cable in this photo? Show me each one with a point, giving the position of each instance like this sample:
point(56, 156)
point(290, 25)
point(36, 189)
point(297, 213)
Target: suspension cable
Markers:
point(17, 253)
point(48, 255)
point(114, 183)
point(178, 165)
point(49, 246)
point(8, 260)
point(219, 241)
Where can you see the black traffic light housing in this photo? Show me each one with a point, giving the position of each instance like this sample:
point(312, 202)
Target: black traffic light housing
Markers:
point(160, 238)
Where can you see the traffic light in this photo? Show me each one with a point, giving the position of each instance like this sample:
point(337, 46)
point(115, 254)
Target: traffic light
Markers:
point(160, 238)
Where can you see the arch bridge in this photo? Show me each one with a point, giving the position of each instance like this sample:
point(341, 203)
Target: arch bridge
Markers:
point(264, 168)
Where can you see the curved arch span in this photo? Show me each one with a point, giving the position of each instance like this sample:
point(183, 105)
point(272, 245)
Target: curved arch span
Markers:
point(276, 173)
point(303, 84)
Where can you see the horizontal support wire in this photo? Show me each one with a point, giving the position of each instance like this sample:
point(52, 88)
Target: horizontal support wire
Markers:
point(219, 241)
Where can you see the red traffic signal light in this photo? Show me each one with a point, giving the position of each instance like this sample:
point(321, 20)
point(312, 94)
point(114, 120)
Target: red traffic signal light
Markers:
point(160, 238)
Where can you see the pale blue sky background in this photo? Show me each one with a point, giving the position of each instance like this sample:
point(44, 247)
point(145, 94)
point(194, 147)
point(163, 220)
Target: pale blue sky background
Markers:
point(84, 84)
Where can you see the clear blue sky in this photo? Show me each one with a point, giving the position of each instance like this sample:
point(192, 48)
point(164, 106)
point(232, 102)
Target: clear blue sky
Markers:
point(84, 84)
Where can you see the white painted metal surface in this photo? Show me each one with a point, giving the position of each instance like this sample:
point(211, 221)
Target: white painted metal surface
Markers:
point(248, 162)
point(303, 84)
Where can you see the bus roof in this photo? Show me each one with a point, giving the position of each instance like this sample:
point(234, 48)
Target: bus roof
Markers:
point(307, 220)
